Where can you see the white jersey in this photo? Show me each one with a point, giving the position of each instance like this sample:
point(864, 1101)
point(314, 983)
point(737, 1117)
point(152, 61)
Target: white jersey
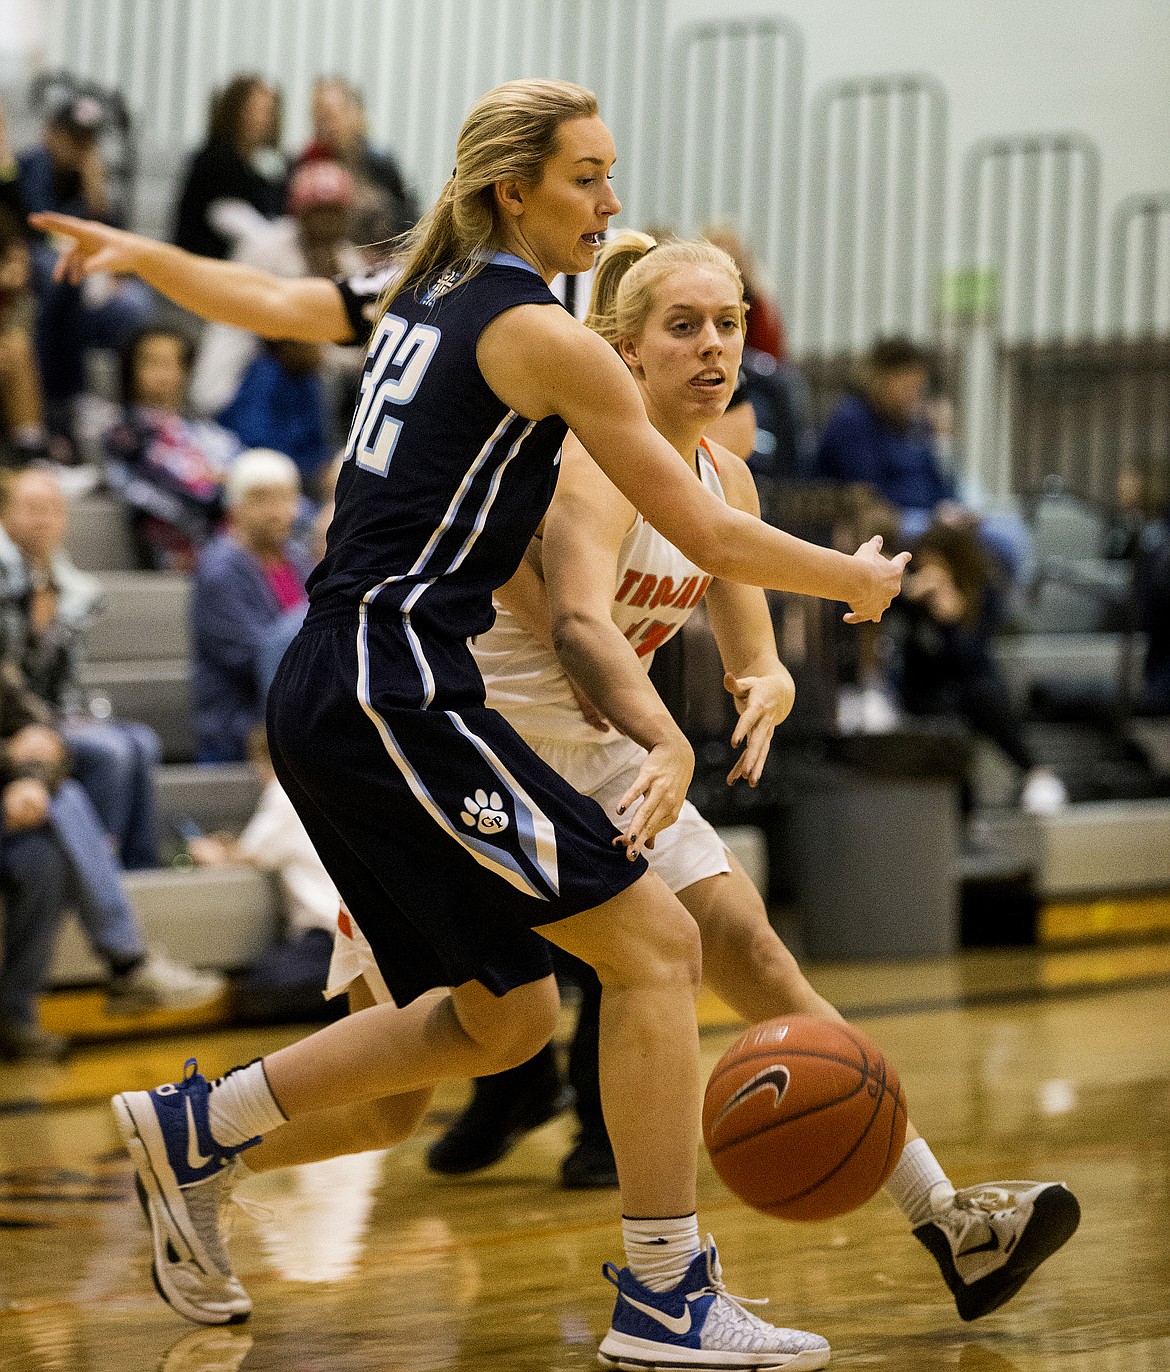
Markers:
point(656, 591)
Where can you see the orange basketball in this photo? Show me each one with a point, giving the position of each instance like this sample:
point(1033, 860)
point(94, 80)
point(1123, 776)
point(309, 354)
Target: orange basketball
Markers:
point(804, 1118)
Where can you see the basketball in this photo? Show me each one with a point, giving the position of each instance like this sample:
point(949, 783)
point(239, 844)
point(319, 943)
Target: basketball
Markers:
point(803, 1118)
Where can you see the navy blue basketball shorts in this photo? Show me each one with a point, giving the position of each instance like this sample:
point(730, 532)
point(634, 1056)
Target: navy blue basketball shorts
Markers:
point(449, 840)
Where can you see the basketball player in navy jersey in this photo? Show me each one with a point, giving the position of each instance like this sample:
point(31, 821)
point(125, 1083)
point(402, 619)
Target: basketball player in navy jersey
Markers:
point(457, 849)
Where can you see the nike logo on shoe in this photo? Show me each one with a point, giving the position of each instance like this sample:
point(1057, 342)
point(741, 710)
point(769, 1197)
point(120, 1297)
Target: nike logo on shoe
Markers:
point(677, 1324)
point(991, 1246)
point(195, 1160)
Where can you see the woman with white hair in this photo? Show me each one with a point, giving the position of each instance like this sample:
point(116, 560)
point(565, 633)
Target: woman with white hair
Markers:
point(248, 579)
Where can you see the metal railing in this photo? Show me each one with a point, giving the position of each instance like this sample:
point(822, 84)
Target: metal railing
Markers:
point(1139, 267)
point(875, 212)
point(1030, 210)
point(731, 148)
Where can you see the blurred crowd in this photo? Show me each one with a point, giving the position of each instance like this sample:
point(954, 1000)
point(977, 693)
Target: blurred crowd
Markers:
point(221, 448)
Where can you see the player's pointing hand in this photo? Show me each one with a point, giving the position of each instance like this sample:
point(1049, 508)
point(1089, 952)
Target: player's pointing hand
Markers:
point(90, 246)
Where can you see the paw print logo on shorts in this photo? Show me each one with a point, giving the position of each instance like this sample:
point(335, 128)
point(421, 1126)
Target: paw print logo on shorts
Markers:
point(485, 813)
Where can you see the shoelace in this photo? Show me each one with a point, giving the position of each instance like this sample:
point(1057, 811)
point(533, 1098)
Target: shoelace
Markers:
point(716, 1288)
point(254, 1209)
point(991, 1200)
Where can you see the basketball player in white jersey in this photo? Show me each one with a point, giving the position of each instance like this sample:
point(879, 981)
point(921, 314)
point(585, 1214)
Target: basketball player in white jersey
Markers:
point(616, 590)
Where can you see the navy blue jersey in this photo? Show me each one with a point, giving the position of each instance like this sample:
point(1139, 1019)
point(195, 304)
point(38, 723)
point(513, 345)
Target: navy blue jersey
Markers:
point(443, 485)
point(450, 841)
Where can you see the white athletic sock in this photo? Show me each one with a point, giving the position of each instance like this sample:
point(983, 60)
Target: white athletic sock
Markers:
point(658, 1252)
point(242, 1105)
point(913, 1181)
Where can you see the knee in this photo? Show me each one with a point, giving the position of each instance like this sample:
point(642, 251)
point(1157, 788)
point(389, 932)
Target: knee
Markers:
point(104, 748)
point(666, 951)
point(145, 744)
point(523, 1031)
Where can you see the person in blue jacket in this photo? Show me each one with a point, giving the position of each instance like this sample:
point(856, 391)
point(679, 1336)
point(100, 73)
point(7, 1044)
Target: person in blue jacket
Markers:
point(878, 436)
point(881, 436)
point(247, 580)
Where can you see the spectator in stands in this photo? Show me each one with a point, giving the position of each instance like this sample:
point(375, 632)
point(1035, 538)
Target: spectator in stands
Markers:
point(289, 979)
point(281, 405)
point(882, 435)
point(66, 172)
point(782, 442)
point(21, 405)
point(384, 206)
point(169, 469)
point(285, 629)
point(878, 437)
point(310, 240)
point(246, 581)
point(240, 161)
point(46, 606)
point(948, 610)
point(54, 856)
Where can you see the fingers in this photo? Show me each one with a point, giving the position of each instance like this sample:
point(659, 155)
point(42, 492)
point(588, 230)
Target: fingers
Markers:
point(659, 809)
point(746, 723)
point(876, 543)
point(857, 617)
point(901, 560)
point(638, 789)
point(750, 764)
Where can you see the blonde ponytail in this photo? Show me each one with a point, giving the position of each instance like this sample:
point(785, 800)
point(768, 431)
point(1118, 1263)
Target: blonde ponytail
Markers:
point(510, 133)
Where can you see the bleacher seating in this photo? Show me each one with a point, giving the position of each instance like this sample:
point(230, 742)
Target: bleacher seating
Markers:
point(138, 659)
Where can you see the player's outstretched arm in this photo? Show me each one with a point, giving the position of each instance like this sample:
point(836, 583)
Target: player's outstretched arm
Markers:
point(540, 361)
point(309, 309)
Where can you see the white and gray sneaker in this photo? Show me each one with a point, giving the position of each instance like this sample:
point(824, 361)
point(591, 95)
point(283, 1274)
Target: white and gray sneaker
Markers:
point(699, 1325)
point(989, 1239)
point(158, 983)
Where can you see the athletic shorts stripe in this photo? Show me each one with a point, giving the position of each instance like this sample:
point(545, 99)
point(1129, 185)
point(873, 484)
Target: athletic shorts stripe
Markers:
point(496, 860)
point(537, 835)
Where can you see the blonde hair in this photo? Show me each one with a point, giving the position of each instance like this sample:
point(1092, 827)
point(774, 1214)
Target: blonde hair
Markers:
point(510, 133)
point(630, 270)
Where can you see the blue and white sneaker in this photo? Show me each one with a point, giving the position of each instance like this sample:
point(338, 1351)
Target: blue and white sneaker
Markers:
point(184, 1178)
point(699, 1325)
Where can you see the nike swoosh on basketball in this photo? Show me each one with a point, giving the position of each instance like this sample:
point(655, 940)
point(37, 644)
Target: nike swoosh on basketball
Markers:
point(195, 1159)
point(771, 1078)
point(677, 1324)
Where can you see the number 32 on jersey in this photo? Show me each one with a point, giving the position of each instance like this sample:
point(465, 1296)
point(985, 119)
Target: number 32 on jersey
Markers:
point(393, 371)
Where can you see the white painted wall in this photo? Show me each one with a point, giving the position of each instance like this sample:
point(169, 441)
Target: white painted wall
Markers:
point(21, 37)
point(1009, 66)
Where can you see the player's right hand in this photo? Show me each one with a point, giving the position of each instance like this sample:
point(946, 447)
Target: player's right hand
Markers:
point(654, 800)
point(880, 581)
point(90, 247)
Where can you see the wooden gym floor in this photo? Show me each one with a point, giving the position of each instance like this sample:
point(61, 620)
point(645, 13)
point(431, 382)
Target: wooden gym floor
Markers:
point(1053, 1066)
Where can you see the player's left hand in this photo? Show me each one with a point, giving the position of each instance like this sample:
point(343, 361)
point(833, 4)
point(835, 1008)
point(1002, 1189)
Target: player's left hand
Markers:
point(654, 800)
point(762, 702)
